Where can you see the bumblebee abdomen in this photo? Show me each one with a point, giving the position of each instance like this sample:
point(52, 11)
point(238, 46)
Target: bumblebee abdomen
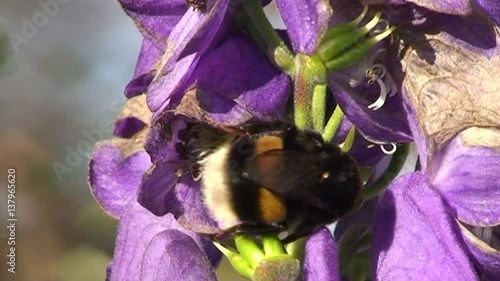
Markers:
point(216, 186)
point(272, 207)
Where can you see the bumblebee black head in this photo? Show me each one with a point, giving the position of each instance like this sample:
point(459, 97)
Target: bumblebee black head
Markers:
point(339, 183)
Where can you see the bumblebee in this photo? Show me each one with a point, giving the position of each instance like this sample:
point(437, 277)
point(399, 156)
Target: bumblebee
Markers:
point(272, 178)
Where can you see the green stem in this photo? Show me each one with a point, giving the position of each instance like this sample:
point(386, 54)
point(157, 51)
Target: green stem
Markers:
point(397, 163)
point(333, 124)
point(309, 92)
point(302, 104)
point(279, 53)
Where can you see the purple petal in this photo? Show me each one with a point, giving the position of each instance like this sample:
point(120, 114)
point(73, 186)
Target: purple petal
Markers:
point(148, 57)
point(155, 19)
point(386, 124)
point(163, 88)
point(189, 40)
point(163, 191)
point(321, 260)
point(139, 85)
point(193, 212)
point(414, 236)
point(422, 144)
point(454, 7)
point(143, 74)
point(487, 258)
point(306, 22)
point(492, 8)
point(457, 7)
point(469, 180)
point(128, 127)
point(172, 255)
point(146, 242)
point(157, 186)
point(225, 93)
point(115, 178)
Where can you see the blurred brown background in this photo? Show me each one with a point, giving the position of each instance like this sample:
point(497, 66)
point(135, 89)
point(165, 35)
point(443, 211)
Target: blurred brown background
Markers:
point(63, 67)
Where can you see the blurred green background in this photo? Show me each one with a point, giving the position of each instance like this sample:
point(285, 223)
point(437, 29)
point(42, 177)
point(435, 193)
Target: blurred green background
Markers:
point(64, 65)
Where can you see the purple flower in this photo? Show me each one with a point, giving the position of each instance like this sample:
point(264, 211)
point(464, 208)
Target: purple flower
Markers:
point(387, 123)
point(144, 240)
point(419, 223)
point(450, 88)
point(200, 72)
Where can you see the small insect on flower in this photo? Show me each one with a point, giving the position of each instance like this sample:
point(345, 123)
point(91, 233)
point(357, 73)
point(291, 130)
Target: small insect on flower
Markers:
point(200, 5)
point(272, 178)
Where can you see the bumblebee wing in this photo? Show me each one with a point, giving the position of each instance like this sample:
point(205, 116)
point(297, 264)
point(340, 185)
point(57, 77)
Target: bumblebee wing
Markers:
point(288, 173)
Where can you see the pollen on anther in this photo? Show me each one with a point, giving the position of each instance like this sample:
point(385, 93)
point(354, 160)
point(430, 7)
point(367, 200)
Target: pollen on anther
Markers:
point(179, 172)
point(376, 73)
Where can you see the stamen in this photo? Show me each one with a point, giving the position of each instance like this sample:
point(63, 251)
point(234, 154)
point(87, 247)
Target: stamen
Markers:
point(384, 25)
point(179, 172)
point(389, 152)
point(358, 75)
point(382, 97)
point(371, 24)
point(380, 143)
point(390, 81)
point(375, 74)
point(377, 71)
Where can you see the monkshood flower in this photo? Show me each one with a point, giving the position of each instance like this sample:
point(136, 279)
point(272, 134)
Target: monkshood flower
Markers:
point(199, 69)
point(228, 97)
point(365, 88)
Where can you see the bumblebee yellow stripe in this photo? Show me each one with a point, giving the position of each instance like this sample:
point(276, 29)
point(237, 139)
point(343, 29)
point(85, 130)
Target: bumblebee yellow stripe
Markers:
point(272, 206)
point(268, 143)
